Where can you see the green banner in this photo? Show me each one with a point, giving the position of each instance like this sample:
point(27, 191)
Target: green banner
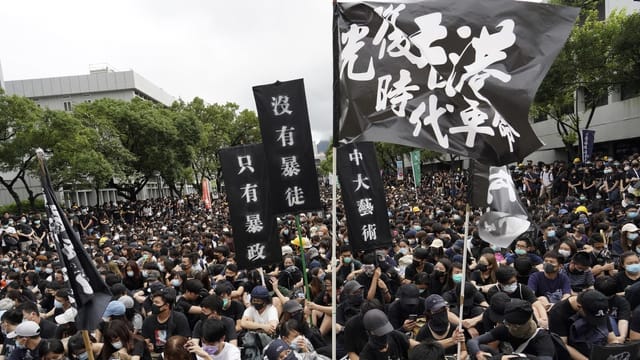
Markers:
point(415, 166)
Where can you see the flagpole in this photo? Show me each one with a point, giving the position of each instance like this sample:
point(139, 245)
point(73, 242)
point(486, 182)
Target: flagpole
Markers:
point(334, 249)
point(302, 257)
point(464, 273)
point(87, 344)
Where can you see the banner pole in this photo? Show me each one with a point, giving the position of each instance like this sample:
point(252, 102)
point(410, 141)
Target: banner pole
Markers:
point(334, 249)
point(261, 271)
point(87, 344)
point(307, 293)
point(464, 273)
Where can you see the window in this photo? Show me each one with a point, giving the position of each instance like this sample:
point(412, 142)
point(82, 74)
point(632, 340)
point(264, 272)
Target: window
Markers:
point(630, 89)
point(67, 106)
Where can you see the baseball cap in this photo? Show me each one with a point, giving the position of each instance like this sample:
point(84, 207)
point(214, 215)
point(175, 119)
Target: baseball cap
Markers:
point(436, 243)
point(410, 234)
point(434, 303)
point(114, 308)
point(260, 292)
point(273, 350)
point(408, 294)
point(306, 243)
point(630, 227)
point(291, 306)
point(496, 308)
point(287, 250)
point(350, 287)
point(376, 322)
point(595, 306)
point(415, 209)
point(581, 209)
point(25, 328)
point(127, 301)
point(517, 311)
point(66, 317)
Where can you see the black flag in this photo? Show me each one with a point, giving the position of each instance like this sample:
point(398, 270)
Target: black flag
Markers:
point(455, 76)
point(363, 197)
point(254, 226)
point(89, 290)
point(506, 218)
point(286, 136)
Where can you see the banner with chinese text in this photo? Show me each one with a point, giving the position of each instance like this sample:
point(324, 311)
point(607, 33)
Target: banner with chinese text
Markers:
point(254, 226)
point(286, 135)
point(454, 76)
point(588, 140)
point(363, 196)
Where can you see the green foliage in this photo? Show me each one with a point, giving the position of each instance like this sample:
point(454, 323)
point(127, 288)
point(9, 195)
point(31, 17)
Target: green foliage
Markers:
point(14, 209)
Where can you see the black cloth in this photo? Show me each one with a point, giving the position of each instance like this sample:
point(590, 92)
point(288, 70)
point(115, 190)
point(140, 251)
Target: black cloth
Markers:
point(559, 315)
point(398, 312)
point(623, 281)
point(158, 333)
point(356, 334)
point(7, 347)
point(425, 333)
point(185, 305)
point(634, 325)
point(234, 311)
point(28, 354)
point(47, 328)
point(541, 346)
point(619, 308)
point(523, 292)
point(398, 349)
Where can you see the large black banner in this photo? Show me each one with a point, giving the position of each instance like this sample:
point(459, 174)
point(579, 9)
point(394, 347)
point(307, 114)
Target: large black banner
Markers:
point(254, 226)
point(454, 76)
point(89, 289)
point(286, 135)
point(363, 196)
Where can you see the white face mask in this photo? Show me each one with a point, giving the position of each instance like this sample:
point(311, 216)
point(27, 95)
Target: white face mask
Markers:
point(510, 288)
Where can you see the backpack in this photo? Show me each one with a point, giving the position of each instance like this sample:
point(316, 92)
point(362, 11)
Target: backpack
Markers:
point(253, 344)
point(583, 336)
point(562, 353)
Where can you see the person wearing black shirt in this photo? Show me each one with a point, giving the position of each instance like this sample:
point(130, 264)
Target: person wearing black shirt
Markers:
point(230, 308)
point(189, 302)
point(354, 330)
point(384, 343)
point(520, 331)
point(29, 344)
point(164, 322)
point(619, 307)
point(30, 312)
point(211, 307)
point(629, 272)
point(439, 327)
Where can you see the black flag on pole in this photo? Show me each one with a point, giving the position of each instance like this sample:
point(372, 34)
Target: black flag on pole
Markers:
point(286, 136)
point(363, 196)
point(89, 290)
point(254, 226)
point(506, 218)
point(454, 76)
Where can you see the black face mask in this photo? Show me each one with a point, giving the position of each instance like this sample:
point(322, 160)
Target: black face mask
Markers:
point(482, 267)
point(379, 342)
point(155, 309)
point(439, 320)
point(230, 278)
point(355, 300)
point(258, 306)
point(438, 273)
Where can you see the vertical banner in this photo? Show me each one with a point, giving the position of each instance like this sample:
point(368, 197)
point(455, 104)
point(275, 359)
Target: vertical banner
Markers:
point(89, 289)
point(363, 196)
point(588, 139)
point(206, 196)
point(286, 135)
point(506, 218)
point(244, 171)
point(416, 164)
point(400, 170)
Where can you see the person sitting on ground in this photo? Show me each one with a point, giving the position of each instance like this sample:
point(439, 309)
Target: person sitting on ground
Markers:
point(439, 326)
point(214, 346)
point(550, 285)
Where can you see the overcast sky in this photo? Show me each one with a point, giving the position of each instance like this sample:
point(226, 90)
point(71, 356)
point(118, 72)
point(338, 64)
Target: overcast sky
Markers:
point(216, 50)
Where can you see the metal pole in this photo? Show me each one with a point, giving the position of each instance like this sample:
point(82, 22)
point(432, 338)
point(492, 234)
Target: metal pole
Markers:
point(464, 272)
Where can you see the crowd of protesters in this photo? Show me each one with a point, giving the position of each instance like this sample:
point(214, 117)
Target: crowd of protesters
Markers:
point(568, 284)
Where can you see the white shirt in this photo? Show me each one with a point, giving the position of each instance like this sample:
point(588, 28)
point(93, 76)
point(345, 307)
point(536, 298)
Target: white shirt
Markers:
point(229, 352)
point(269, 314)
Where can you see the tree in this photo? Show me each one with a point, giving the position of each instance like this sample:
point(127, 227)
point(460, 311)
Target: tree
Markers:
point(589, 63)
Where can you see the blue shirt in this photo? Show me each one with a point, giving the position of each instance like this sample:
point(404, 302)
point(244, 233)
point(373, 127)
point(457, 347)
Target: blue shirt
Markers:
point(553, 289)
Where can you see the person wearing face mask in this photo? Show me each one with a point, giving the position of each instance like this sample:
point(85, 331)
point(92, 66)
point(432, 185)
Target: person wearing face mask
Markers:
point(384, 341)
point(211, 309)
point(351, 297)
point(579, 272)
point(507, 283)
point(628, 235)
point(120, 342)
point(261, 315)
point(9, 321)
point(348, 267)
point(214, 345)
point(439, 326)
point(230, 308)
point(292, 332)
point(418, 265)
point(629, 272)
point(278, 350)
point(521, 331)
point(163, 322)
point(29, 344)
point(404, 311)
point(523, 248)
point(550, 285)
point(373, 279)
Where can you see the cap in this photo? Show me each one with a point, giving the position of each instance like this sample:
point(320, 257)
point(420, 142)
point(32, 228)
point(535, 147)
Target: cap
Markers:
point(260, 292)
point(630, 227)
point(305, 242)
point(66, 317)
point(576, 161)
point(517, 311)
point(496, 308)
point(410, 234)
point(287, 250)
point(581, 209)
point(563, 211)
point(421, 253)
point(459, 244)
point(436, 243)
point(434, 303)
point(595, 305)
point(7, 304)
point(25, 328)
point(115, 308)
point(313, 252)
point(127, 301)
point(408, 294)
point(350, 287)
point(291, 306)
point(376, 322)
point(273, 350)
point(415, 209)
